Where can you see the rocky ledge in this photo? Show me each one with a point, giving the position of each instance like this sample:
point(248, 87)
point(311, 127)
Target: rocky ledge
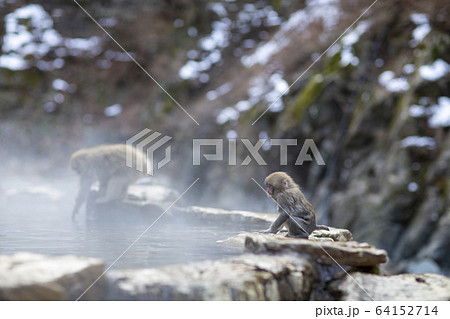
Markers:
point(350, 253)
point(26, 276)
point(247, 277)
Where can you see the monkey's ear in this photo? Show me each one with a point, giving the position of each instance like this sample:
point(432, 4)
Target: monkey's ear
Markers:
point(286, 183)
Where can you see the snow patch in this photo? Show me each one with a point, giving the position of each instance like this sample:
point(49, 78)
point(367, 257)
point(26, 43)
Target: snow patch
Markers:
point(113, 110)
point(264, 136)
point(440, 113)
point(279, 88)
point(417, 110)
point(29, 33)
point(268, 89)
point(226, 115)
point(326, 11)
point(413, 187)
point(108, 22)
point(435, 71)
point(387, 80)
point(60, 85)
point(408, 68)
point(422, 29)
point(419, 141)
point(212, 45)
point(221, 90)
point(232, 134)
point(13, 62)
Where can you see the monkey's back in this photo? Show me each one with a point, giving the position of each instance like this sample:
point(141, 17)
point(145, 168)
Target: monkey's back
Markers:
point(302, 218)
point(108, 160)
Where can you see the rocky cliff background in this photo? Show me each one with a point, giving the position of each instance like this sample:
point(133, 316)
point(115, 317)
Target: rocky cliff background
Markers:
point(375, 102)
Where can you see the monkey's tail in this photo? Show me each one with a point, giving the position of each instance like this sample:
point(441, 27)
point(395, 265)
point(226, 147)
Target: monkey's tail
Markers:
point(322, 227)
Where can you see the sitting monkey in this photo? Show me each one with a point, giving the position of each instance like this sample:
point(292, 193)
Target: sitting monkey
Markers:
point(295, 212)
point(107, 165)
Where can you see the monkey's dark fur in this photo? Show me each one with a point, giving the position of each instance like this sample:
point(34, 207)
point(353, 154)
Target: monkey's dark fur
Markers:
point(295, 212)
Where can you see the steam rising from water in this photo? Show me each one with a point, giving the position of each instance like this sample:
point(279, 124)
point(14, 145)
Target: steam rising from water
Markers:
point(35, 216)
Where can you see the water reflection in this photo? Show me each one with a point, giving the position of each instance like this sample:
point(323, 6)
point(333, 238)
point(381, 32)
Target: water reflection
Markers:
point(35, 223)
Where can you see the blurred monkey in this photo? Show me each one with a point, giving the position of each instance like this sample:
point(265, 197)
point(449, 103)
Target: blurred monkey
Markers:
point(107, 165)
point(295, 212)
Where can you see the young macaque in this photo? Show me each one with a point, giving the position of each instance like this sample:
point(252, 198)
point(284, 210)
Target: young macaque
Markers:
point(105, 164)
point(295, 212)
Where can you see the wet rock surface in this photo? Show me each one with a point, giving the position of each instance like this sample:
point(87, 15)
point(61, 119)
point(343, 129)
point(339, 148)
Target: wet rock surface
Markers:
point(26, 276)
point(248, 277)
point(399, 287)
point(349, 253)
point(333, 234)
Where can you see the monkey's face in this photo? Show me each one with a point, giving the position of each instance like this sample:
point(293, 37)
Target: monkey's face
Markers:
point(269, 189)
point(276, 183)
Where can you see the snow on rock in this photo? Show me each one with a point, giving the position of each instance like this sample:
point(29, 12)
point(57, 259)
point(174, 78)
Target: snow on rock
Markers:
point(347, 54)
point(413, 187)
point(279, 88)
point(29, 32)
point(326, 11)
point(268, 89)
point(417, 110)
point(212, 45)
point(221, 90)
point(19, 40)
point(422, 29)
point(13, 61)
point(60, 85)
point(408, 68)
point(264, 53)
point(113, 110)
point(435, 71)
point(419, 141)
point(391, 83)
point(440, 113)
point(232, 134)
point(227, 114)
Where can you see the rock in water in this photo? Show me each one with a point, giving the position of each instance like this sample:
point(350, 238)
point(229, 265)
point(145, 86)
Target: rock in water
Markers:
point(26, 276)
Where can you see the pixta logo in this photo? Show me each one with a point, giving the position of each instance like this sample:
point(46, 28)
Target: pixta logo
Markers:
point(147, 143)
point(253, 151)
